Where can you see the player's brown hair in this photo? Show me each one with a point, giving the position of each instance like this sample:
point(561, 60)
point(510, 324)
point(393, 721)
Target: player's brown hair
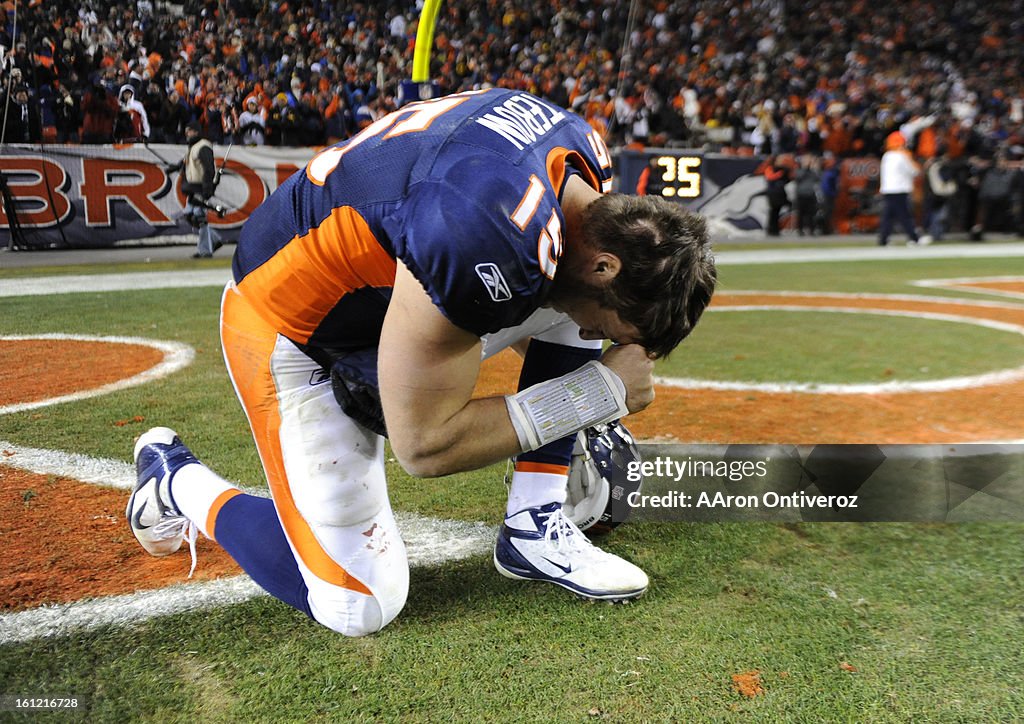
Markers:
point(668, 272)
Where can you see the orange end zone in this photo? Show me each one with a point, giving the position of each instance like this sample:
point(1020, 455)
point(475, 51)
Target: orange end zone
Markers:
point(65, 540)
point(1015, 286)
point(37, 369)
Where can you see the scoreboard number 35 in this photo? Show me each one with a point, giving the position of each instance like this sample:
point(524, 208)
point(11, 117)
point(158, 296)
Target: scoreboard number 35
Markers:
point(681, 176)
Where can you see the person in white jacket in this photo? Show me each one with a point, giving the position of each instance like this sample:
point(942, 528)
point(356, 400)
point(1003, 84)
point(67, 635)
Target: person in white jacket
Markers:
point(132, 122)
point(896, 182)
point(252, 123)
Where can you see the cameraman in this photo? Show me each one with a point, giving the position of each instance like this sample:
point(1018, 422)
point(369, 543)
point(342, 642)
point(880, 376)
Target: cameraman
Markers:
point(200, 180)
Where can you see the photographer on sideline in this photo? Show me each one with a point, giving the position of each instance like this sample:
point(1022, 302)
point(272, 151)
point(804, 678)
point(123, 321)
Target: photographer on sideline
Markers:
point(200, 181)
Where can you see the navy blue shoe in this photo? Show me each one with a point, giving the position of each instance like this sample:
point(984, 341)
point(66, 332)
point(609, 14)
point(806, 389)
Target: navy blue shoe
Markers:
point(155, 519)
point(542, 544)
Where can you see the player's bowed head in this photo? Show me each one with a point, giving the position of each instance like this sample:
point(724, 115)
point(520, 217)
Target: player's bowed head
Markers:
point(636, 269)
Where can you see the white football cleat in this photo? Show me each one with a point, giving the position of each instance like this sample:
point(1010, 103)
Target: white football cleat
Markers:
point(542, 544)
point(154, 517)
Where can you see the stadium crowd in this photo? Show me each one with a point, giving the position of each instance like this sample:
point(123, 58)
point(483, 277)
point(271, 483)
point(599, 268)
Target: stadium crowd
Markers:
point(826, 78)
point(774, 76)
point(770, 75)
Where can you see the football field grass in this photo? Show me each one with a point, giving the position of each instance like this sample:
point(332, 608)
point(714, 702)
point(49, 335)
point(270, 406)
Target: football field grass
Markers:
point(763, 622)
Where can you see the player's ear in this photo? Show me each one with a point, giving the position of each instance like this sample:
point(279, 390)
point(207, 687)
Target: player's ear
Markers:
point(604, 267)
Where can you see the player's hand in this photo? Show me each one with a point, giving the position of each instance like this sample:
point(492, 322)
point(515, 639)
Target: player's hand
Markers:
point(635, 368)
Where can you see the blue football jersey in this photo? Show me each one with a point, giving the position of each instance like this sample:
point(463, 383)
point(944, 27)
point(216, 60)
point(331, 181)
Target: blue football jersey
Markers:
point(463, 189)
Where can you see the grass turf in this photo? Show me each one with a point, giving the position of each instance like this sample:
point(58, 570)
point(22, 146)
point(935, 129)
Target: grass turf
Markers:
point(842, 622)
point(821, 347)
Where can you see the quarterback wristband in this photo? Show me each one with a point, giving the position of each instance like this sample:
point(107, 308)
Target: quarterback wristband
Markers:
point(550, 410)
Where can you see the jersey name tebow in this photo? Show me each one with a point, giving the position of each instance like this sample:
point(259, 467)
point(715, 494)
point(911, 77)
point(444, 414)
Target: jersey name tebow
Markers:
point(521, 119)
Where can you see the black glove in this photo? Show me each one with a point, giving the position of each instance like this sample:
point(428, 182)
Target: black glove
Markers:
point(358, 399)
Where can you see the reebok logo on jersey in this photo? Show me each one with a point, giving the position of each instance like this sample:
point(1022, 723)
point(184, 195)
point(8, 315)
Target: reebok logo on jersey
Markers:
point(319, 377)
point(495, 283)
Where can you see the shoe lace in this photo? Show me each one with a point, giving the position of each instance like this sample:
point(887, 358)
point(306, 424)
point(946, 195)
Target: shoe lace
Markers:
point(174, 526)
point(561, 533)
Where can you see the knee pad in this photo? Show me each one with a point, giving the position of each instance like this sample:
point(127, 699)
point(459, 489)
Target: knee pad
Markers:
point(356, 614)
point(349, 618)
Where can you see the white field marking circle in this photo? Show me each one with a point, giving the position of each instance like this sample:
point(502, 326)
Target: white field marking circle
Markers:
point(428, 541)
point(998, 377)
point(873, 253)
point(967, 284)
point(176, 356)
point(931, 298)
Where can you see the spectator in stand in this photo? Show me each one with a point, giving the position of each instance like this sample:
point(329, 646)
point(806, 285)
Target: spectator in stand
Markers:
point(175, 116)
point(311, 122)
point(99, 111)
point(45, 103)
point(132, 122)
point(212, 119)
point(896, 182)
point(282, 123)
point(252, 126)
point(364, 113)
point(153, 102)
point(764, 137)
point(23, 124)
point(68, 116)
point(13, 79)
point(336, 116)
point(228, 120)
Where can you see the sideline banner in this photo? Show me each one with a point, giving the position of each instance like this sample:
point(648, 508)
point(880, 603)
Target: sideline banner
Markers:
point(98, 196)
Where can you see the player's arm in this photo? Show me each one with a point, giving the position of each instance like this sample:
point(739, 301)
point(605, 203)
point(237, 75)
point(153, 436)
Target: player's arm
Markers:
point(428, 368)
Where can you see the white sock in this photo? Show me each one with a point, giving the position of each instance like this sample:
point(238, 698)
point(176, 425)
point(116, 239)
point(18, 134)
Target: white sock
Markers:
point(533, 490)
point(197, 491)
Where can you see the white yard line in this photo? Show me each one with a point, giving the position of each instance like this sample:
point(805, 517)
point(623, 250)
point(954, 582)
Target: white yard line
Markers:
point(871, 296)
point(77, 283)
point(429, 542)
point(875, 253)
